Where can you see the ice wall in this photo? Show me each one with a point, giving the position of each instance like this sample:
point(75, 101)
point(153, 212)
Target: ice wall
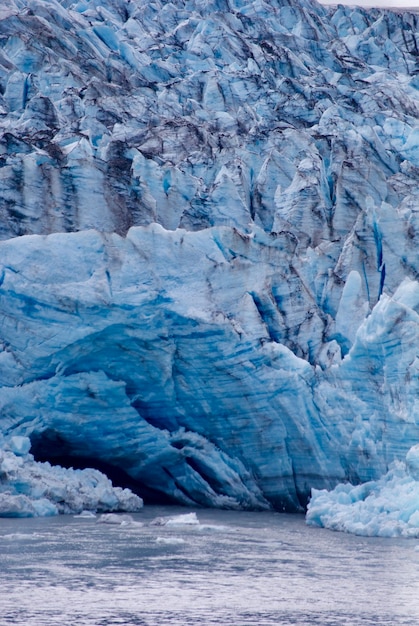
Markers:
point(164, 353)
point(236, 320)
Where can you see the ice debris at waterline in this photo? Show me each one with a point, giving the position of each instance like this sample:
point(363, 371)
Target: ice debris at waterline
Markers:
point(184, 522)
point(185, 519)
point(388, 507)
point(31, 489)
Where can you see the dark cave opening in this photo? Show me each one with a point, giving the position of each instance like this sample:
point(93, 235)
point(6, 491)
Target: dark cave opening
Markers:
point(50, 446)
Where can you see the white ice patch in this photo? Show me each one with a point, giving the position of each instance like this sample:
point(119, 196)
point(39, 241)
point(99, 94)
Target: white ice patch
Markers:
point(187, 519)
point(86, 515)
point(118, 519)
point(22, 536)
point(388, 507)
point(170, 541)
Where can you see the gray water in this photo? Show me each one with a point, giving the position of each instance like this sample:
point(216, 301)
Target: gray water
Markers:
point(235, 569)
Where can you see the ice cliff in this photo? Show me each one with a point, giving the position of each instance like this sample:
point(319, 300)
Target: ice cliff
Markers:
point(235, 320)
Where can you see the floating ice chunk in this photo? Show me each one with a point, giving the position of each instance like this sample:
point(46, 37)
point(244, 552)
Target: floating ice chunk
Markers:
point(132, 524)
point(187, 519)
point(388, 507)
point(170, 541)
point(118, 519)
point(86, 515)
point(159, 521)
point(114, 518)
point(214, 528)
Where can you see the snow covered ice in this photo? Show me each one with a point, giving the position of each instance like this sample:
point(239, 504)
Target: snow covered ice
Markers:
point(235, 320)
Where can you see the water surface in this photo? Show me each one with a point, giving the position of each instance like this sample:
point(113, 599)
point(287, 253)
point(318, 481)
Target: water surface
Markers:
point(235, 569)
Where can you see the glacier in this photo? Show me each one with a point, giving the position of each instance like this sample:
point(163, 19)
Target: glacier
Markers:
point(209, 277)
point(154, 353)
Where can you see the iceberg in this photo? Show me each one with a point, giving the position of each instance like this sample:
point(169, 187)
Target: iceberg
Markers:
point(209, 274)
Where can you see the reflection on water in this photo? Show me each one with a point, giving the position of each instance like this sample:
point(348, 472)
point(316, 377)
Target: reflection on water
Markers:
point(237, 569)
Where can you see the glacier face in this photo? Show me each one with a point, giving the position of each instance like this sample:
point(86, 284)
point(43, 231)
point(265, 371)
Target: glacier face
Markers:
point(161, 353)
point(236, 321)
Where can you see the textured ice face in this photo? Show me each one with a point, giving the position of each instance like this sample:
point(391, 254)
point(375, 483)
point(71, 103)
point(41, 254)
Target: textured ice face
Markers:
point(195, 114)
point(163, 353)
point(254, 335)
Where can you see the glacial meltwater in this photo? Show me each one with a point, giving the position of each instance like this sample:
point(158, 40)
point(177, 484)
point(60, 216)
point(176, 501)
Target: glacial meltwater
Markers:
point(220, 567)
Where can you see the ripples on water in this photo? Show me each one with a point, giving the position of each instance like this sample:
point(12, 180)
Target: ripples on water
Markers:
point(259, 569)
